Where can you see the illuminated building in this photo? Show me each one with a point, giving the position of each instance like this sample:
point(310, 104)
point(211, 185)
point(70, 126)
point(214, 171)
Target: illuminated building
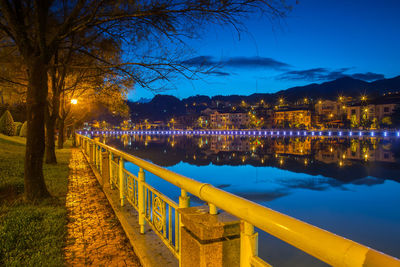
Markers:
point(293, 117)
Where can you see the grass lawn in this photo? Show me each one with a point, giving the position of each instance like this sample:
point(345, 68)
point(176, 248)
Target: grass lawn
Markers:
point(31, 234)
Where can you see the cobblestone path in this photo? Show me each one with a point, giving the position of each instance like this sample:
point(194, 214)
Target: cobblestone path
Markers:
point(95, 236)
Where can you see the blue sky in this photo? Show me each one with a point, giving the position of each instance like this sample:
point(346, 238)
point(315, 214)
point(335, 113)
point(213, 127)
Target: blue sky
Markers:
point(319, 40)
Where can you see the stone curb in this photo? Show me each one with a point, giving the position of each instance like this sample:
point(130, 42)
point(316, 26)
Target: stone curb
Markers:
point(150, 250)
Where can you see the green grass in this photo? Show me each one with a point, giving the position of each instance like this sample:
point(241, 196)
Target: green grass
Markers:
point(31, 234)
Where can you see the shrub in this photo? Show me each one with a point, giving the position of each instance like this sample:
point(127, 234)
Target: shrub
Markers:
point(7, 124)
point(24, 130)
point(17, 126)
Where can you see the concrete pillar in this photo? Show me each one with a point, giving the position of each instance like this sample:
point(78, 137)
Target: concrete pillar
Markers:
point(209, 240)
point(105, 176)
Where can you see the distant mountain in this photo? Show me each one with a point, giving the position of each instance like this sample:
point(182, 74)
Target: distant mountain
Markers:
point(346, 86)
point(387, 85)
point(328, 90)
point(143, 100)
point(161, 107)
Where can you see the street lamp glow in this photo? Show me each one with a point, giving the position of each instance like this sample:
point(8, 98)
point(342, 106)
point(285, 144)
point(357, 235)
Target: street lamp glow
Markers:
point(74, 101)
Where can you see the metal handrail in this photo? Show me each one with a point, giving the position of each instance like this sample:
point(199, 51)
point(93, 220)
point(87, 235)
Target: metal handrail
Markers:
point(326, 246)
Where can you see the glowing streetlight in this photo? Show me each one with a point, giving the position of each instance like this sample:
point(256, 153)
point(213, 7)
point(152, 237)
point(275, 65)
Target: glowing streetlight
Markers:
point(74, 101)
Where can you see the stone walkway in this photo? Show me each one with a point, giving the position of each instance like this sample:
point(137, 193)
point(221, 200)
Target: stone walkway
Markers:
point(95, 236)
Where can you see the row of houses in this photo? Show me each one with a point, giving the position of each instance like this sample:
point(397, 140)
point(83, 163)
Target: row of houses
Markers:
point(324, 114)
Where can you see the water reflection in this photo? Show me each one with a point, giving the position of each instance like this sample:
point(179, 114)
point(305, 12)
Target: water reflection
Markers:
point(346, 160)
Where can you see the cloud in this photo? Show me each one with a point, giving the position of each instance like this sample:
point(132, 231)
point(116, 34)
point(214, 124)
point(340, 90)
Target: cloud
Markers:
point(368, 76)
point(199, 61)
point(219, 73)
point(237, 62)
point(323, 74)
point(254, 62)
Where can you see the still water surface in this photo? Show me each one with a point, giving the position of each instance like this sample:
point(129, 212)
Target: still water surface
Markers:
point(349, 186)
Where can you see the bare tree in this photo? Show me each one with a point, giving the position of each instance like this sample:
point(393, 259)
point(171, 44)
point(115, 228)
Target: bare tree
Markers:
point(39, 27)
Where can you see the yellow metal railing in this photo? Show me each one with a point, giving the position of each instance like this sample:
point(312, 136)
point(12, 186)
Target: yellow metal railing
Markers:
point(161, 213)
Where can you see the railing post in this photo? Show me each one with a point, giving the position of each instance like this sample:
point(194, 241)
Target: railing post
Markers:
point(91, 152)
point(110, 163)
point(98, 157)
point(94, 153)
point(184, 199)
point(105, 167)
point(213, 210)
point(95, 156)
point(248, 244)
point(141, 200)
point(121, 181)
point(101, 161)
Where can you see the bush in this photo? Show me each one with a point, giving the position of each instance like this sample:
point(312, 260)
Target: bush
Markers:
point(17, 126)
point(24, 130)
point(7, 124)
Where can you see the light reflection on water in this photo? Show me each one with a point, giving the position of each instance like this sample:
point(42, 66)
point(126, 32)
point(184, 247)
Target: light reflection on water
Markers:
point(349, 186)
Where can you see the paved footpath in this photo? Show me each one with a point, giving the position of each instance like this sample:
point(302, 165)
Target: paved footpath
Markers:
point(95, 236)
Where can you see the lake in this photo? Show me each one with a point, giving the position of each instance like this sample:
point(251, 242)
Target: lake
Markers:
point(348, 186)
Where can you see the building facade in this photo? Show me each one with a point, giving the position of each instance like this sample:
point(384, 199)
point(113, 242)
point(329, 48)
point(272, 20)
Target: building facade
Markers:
point(229, 120)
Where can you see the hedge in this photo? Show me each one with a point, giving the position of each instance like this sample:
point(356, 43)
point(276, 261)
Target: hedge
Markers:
point(7, 124)
point(17, 126)
point(24, 130)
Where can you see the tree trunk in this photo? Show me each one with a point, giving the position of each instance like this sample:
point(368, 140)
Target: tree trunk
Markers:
point(51, 120)
point(35, 187)
point(61, 133)
point(50, 152)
